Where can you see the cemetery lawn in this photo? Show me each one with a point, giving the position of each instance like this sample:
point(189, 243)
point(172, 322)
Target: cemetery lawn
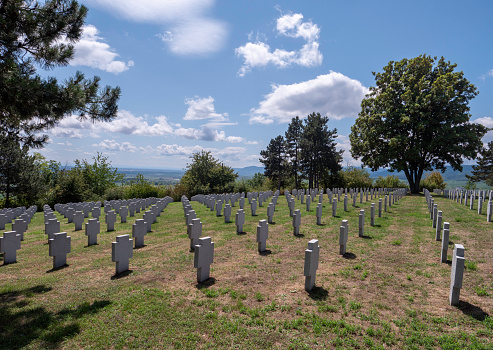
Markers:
point(389, 291)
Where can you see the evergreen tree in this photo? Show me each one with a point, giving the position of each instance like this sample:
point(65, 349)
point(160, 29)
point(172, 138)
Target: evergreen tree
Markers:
point(274, 160)
point(293, 146)
point(483, 170)
point(41, 34)
point(319, 157)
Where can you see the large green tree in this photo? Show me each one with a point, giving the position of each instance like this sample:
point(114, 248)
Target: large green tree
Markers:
point(416, 119)
point(293, 146)
point(483, 170)
point(319, 158)
point(274, 159)
point(206, 174)
point(37, 34)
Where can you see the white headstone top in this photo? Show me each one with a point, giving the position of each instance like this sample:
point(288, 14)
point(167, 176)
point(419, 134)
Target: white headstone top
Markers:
point(311, 264)
point(121, 252)
point(204, 255)
point(59, 247)
point(10, 243)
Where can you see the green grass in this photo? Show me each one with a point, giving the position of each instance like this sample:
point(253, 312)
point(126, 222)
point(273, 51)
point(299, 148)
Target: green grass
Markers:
point(388, 291)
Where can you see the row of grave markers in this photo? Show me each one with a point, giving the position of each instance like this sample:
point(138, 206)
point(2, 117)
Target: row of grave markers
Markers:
point(468, 198)
point(458, 260)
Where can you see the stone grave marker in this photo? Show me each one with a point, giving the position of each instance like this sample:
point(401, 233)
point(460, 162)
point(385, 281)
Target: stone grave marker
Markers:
point(262, 235)
point(3, 221)
point(311, 264)
point(123, 214)
point(297, 221)
point(334, 207)
point(227, 213)
point(291, 207)
point(219, 208)
point(319, 214)
point(308, 202)
point(345, 202)
point(445, 241)
point(204, 256)
point(435, 215)
point(96, 212)
point(361, 222)
point(456, 274)
point(139, 230)
point(59, 247)
point(270, 212)
point(19, 226)
point(69, 214)
point(52, 226)
point(343, 237)
point(148, 219)
point(10, 243)
point(253, 206)
point(78, 220)
point(439, 226)
point(240, 220)
point(241, 203)
point(380, 207)
point(93, 227)
point(110, 219)
point(194, 232)
point(121, 252)
point(372, 215)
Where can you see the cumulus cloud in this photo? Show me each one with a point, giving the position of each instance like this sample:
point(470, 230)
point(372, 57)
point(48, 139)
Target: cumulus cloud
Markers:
point(91, 51)
point(206, 134)
point(188, 29)
point(202, 108)
point(129, 124)
point(486, 121)
point(259, 54)
point(334, 95)
point(112, 145)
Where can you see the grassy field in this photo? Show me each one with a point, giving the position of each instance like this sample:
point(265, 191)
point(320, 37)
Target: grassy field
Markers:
point(389, 292)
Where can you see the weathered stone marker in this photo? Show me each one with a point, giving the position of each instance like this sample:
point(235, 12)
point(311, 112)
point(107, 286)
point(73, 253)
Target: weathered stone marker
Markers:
point(59, 247)
point(194, 232)
point(380, 207)
point(345, 202)
point(204, 256)
point(78, 220)
point(52, 226)
point(343, 237)
point(334, 207)
point(296, 222)
point(240, 220)
point(123, 214)
point(227, 213)
point(308, 202)
point(139, 231)
point(372, 215)
point(10, 243)
point(253, 206)
point(262, 235)
point(319, 214)
point(110, 218)
point(270, 212)
point(93, 227)
point(219, 208)
point(121, 252)
point(445, 241)
point(439, 226)
point(456, 274)
point(311, 264)
point(361, 222)
point(19, 226)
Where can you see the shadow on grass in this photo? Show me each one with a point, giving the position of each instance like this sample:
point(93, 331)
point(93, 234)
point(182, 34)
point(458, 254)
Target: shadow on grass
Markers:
point(321, 224)
point(58, 268)
point(117, 276)
point(241, 233)
point(142, 246)
point(206, 284)
point(377, 225)
point(300, 235)
point(266, 252)
point(472, 310)
point(349, 256)
point(88, 246)
point(318, 293)
point(24, 323)
point(366, 237)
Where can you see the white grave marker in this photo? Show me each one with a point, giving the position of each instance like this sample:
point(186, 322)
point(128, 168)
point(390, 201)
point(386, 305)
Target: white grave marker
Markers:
point(311, 264)
point(204, 256)
point(59, 247)
point(10, 243)
point(121, 252)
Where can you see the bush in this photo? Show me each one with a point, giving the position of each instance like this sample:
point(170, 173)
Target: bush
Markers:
point(353, 177)
point(433, 180)
point(390, 181)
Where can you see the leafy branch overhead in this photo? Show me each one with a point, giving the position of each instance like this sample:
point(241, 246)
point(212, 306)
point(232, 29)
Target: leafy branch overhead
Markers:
point(416, 119)
point(41, 34)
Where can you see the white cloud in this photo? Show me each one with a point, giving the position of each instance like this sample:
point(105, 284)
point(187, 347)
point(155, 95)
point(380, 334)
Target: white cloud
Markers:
point(206, 134)
point(486, 121)
point(259, 54)
point(175, 150)
point(73, 127)
point(189, 31)
point(112, 145)
point(334, 95)
point(203, 108)
point(129, 124)
point(343, 142)
point(91, 51)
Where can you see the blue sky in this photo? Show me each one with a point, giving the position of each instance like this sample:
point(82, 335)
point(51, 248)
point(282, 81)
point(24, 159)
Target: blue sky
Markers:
point(228, 76)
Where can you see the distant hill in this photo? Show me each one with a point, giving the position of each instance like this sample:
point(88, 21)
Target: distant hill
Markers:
point(249, 171)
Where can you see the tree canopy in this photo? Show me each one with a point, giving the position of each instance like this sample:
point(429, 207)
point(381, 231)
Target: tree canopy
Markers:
point(274, 159)
point(207, 175)
point(35, 34)
point(416, 119)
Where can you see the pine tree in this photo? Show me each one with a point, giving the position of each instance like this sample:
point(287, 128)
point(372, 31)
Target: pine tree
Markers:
point(41, 34)
point(293, 144)
point(274, 159)
point(483, 170)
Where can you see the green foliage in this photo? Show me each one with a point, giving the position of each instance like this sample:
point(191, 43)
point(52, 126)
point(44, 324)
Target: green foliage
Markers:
point(140, 188)
point(416, 119)
point(293, 138)
point(99, 176)
point(433, 180)
point(41, 34)
point(274, 159)
point(19, 177)
point(207, 175)
point(483, 170)
point(353, 177)
point(470, 185)
point(390, 181)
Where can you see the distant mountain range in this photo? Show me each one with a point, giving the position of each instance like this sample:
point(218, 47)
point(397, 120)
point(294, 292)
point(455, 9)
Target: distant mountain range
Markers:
point(170, 176)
